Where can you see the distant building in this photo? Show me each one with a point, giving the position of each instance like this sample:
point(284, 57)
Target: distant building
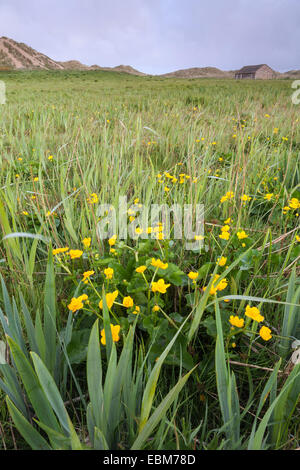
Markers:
point(256, 72)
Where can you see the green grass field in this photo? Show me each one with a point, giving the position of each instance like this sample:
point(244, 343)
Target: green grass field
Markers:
point(202, 352)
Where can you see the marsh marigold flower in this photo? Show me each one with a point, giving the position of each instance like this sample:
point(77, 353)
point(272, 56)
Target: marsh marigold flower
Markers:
point(217, 286)
point(229, 195)
point(128, 302)
point(236, 321)
point(112, 240)
point(115, 330)
point(224, 235)
point(193, 275)
point(265, 333)
point(136, 310)
point(160, 286)
point(86, 242)
point(110, 298)
point(87, 275)
point(157, 263)
point(75, 254)
point(141, 269)
point(241, 235)
point(58, 251)
point(294, 203)
point(77, 303)
point(109, 272)
point(222, 261)
point(93, 199)
point(254, 314)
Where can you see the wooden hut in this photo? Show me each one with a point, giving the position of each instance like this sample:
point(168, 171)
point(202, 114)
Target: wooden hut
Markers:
point(256, 72)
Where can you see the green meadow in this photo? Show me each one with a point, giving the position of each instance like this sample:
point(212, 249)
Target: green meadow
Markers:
point(115, 344)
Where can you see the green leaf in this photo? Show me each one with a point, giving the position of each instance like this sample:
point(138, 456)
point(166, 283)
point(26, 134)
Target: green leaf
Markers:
point(50, 313)
point(159, 413)
point(32, 386)
point(51, 391)
point(31, 435)
point(94, 376)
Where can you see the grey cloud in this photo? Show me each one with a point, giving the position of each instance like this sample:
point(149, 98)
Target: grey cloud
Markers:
point(158, 36)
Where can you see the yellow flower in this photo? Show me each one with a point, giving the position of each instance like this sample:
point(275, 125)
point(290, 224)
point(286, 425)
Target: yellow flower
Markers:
point(141, 269)
point(112, 240)
point(77, 303)
point(87, 275)
point(115, 330)
point(75, 254)
point(229, 195)
point(35, 179)
point(193, 275)
point(268, 196)
point(265, 333)
point(110, 298)
point(156, 308)
point(128, 302)
point(109, 272)
point(87, 242)
point(294, 203)
point(297, 238)
point(25, 213)
point(245, 198)
point(254, 314)
point(241, 235)
point(222, 261)
point(225, 228)
point(228, 221)
point(157, 263)
point(50, 157)
point(224, 236)
point(217, 286)
point(58, 251)
point(136, 310)
point(93, 199)
point(236, 321)
point(160, 286)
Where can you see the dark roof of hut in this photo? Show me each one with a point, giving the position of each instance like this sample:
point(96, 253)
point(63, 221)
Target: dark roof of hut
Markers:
point(251, 68)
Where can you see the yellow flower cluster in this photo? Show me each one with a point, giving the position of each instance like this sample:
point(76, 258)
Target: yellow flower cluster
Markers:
point(217, 286)
point(254, 314)
point(58, 251)
point(93, 199)
point(157, 263)
point(225, 235)
point(115, 330)
point(228, 196)
point(77, 303)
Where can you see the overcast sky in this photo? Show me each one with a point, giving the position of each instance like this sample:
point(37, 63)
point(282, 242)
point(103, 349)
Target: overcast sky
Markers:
point(158, 36)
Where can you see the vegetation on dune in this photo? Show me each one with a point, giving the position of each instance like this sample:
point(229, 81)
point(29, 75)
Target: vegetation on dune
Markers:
point(141, 343)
